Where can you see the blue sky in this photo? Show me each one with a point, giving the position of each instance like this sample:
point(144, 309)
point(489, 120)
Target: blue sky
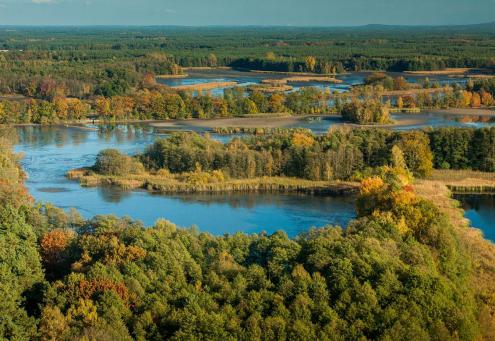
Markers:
point(245, 12)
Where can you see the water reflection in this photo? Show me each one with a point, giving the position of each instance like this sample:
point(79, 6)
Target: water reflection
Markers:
point(480, 210)
point(248, 78)
point(49, 152)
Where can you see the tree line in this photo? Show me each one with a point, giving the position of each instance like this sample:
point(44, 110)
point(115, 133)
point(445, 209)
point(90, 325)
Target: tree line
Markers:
point(339, 155)
point(342, 154)
point(161, 104)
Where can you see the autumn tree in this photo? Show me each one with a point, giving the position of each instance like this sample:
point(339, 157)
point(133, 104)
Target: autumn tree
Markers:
point(310, 63)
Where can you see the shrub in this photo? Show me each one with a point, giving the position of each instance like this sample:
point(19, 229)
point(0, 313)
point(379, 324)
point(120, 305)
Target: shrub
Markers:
point(113, 162)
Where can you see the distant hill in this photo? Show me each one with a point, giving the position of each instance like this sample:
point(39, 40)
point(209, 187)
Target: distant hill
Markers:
point(483, 27)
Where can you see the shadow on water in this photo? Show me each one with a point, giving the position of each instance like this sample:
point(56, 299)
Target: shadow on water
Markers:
point(480, 210)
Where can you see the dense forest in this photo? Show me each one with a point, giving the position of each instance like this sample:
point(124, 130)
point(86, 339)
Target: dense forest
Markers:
point(109, 61)
point(401, 270)
point(341, 154)
point(397, 272)
point(337, 155)
point(50, 75)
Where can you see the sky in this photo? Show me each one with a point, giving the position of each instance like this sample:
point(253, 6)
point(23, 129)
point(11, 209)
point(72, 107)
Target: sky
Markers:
point(246, 12)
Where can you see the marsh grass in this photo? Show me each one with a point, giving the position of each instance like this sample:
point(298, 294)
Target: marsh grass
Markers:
point(181, 183)
point(465, 181)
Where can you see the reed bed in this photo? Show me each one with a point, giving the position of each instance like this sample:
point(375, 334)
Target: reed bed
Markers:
point(465, 181)
point(257, 131)
point(301, 79)
point(171, 183)
point(204, 86)
point(448, 71)
point(184, 75)
point(270, 88)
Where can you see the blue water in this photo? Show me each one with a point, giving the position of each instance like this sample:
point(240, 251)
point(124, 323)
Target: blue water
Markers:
point(480, 210)
point(249, 78)
point(49, 152)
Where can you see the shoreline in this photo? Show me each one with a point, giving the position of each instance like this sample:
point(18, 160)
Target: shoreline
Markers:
point(467, 111)
point(171, 184)
point(465, 181)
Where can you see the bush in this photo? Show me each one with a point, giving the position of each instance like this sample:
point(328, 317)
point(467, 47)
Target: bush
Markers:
point(366, 112)
point(113, 162)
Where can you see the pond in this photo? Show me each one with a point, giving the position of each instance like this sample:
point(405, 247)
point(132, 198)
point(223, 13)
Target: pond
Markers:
point(49, 152)
point(480, 210)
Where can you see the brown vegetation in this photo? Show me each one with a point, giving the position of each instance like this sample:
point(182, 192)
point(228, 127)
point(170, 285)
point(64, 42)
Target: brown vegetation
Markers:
point(266, 88)
point(207, 182)
point(184, 75)
point(301, 79)
point(448, 71)
point(465, 181)
point(204, 86)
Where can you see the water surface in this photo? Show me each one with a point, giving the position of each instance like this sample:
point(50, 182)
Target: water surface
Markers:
point(249, 78)
point(49, 152)
point(480, 210)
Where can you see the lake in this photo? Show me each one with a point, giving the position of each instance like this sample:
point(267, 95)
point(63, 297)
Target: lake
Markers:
point(480, 210)
point(49, 152)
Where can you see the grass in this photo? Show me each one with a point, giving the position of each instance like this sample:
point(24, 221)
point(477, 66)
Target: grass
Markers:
point(465, 181)
point(270, 88)
point(302, 79)
point(257, 131)
point(204, 86)
point(184, 75)
point(171, 183)
point(448, 71)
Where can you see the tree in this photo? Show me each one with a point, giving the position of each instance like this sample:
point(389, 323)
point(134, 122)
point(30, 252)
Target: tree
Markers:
point(310, 63)
point(212, 60)
point(53, 325)
point(113, 162)
point(270, 56)
point(398, 160)
point(417, 153)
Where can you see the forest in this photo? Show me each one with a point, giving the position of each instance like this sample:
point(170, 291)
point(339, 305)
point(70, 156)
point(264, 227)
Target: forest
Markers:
point(363, 104)
point(402, 269)
point(51, 75)
point(91, 61)
point(341, 154)
point(64, 277)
